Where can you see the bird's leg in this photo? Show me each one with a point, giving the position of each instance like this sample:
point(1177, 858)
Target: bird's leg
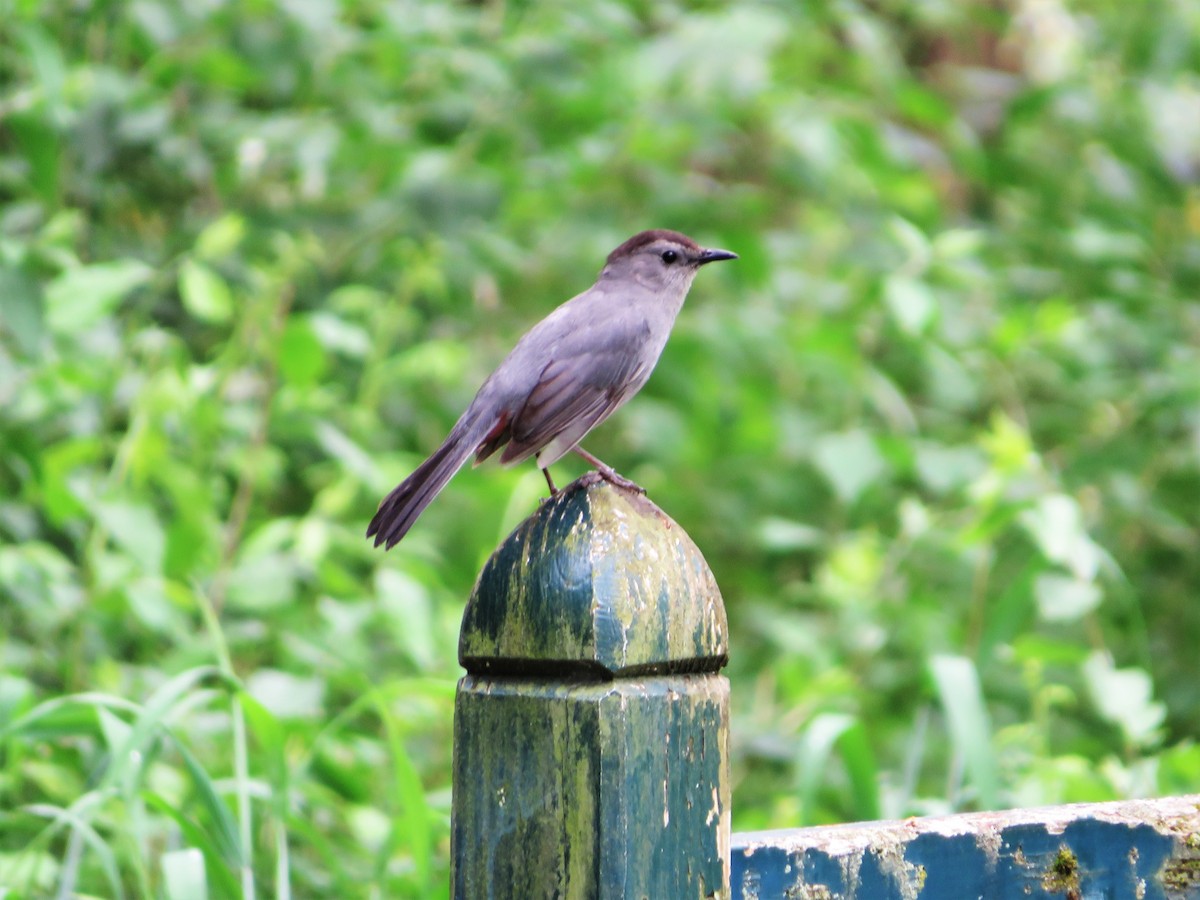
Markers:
point(550, 482)
point(609, 474)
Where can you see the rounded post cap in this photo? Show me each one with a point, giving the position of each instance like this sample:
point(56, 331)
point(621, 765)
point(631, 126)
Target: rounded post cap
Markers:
point(597, 581)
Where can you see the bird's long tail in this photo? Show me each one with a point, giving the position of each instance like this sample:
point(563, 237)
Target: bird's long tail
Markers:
point(400, 509)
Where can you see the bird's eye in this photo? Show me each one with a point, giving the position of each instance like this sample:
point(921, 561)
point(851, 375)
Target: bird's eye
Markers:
point(669, 256)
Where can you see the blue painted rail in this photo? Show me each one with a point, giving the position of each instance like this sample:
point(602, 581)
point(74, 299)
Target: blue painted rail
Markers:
point(1138, 849)
point(591, 752)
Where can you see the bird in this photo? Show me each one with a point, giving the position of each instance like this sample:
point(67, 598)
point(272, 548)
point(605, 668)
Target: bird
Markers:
point(569, 373)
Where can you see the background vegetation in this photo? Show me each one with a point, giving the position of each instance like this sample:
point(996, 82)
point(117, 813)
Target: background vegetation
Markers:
point(937, 432)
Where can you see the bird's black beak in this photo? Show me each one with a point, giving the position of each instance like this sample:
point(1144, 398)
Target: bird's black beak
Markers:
point(707, 256)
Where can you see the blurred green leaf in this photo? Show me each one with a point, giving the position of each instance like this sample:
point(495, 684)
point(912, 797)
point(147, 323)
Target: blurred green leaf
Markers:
point(961, 696)
point(49, 67)
point(944, 468)
point(1056, 524)
point(29, 870)
point(78, 299)
point(15, 695)
point(184, 877)
point(262, 583)
point(223, 826)
point(850, 461)
point(1124, 698)
point(221, 237)
point(910, 302)
point(59, 463)
point(205, 294)
point(75, 819)
point(135, 528)
point(115, 730)
point(783, 535)
point(406, 604)
point(816, 744)
point(287, 696)
point(301, 356)
point(1063, 599)
point(21, 312)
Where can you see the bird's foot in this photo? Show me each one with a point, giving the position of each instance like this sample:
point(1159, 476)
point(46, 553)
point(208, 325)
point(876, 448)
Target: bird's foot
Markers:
point(609, 474)
point(615, 478)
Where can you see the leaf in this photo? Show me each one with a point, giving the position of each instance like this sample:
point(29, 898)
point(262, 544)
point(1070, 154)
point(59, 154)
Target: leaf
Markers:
point(39, 131)
point(1064, 599)
point(227, 838)
point(1007, 444)
point(28, 869)
point(784, 535)
point(710, 57)
point(45, 54)
point(183, 874)
point(351, 456)
point(824, 732)
point(60, 462)
point(958, 688)
point(135, 528)
point(1095, 242)
point(70, 715)
point(263, 583)
point(943, 468)
point(272, 742)
point(151, 605)
point(21, 310)
point(116, 730)
point(414, 821)
point(287, 696)
point(77, 818)
point(15, 695)
point(406, 604)
point(850, 461)
point(910, 302)
point(150, 722)
point(211, 844)
point(1056, 523)
point(859, 759)
point(338, 335)
point(42, 148)
point(204, 293)
point(1124, 698)
point(955, 243)
point(221, 237)
point(301, 357)
point(78, 299)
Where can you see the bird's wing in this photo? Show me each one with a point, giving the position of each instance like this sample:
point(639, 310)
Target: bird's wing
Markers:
point(571, 397)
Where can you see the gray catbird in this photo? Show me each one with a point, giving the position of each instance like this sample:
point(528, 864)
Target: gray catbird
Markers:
point(566, 376)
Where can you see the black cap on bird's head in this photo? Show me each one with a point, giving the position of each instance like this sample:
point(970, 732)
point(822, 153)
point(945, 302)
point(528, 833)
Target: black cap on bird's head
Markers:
point(671, 245)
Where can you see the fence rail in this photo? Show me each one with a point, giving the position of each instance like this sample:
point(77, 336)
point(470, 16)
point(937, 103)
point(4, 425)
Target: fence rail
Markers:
point(592, 752)
point(1143, 849)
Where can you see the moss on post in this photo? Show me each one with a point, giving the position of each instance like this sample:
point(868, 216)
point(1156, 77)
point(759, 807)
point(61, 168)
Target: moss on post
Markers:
point(591, 729)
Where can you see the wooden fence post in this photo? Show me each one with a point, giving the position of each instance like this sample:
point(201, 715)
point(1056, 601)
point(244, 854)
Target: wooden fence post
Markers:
point(592, 727)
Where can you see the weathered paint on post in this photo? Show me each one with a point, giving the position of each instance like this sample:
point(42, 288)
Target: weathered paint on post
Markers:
point(598, 580)
point(1137, 849)
point(591, 730)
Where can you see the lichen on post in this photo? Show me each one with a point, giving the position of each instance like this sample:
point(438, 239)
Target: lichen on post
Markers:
point(592, 727)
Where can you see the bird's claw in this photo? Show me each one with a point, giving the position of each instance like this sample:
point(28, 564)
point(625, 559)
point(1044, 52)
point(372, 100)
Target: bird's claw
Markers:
point(617, 480)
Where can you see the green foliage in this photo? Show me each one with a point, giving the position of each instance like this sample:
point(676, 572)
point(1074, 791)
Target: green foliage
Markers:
point(936, 431)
